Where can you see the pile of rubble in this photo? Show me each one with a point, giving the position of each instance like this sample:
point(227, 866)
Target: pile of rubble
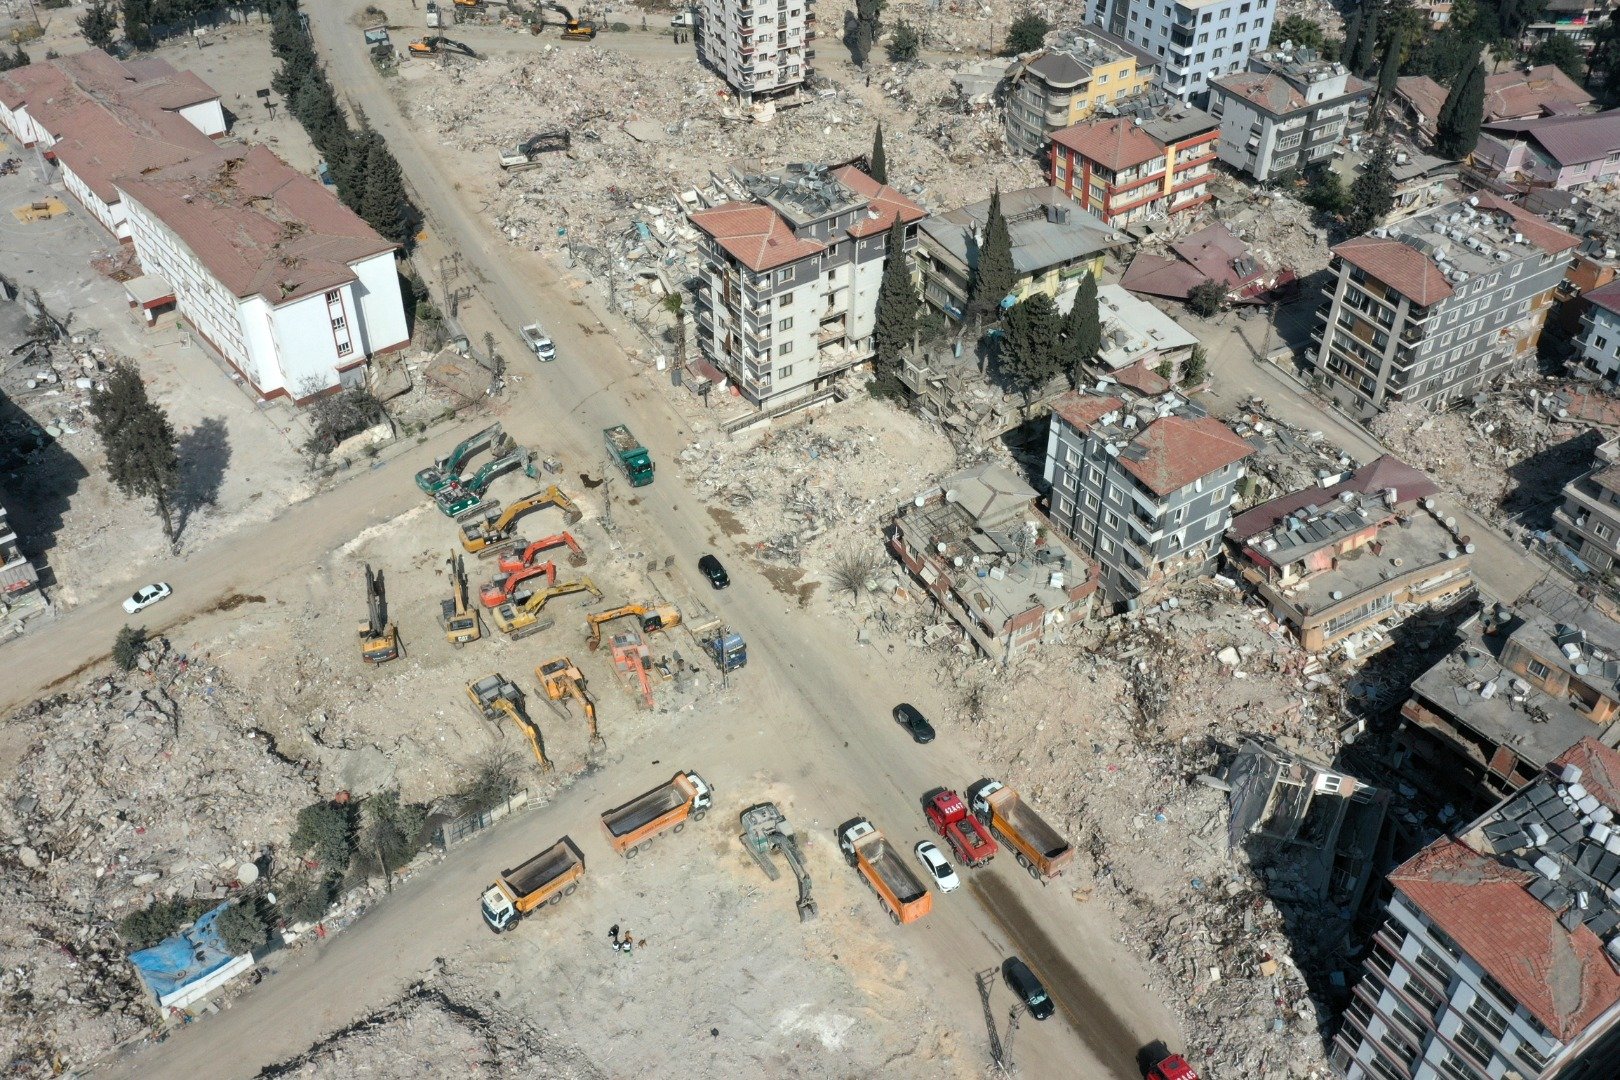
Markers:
point(147, 786)
point(52, 384)
point(1478, 450)
point(1288, 458)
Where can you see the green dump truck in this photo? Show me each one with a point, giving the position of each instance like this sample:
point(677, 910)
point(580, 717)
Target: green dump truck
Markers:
point(633, 458)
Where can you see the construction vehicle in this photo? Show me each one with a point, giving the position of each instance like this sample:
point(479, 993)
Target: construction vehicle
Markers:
point(723, 645)
point(633, 661)
point(632, 827)
point(379, 638)
point(528, 154)
point(496, 532)
point(563, 679)
point(624, 448)
point(519, 620)
point(904, 897)
point(652, 617)
point(447, 470)
point(544, 879)
point(501, 590)
point(465, 496)
point(968, 836)
point(1174, 1067)
point(1040, 848)
point(512, 562)
point(765, 829)
point(494, 697)
point(461, 623)
point(433, 45)
point(574, 28)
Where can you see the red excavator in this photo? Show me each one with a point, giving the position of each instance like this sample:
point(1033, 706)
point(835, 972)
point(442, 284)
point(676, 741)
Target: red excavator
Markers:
point(500, 591)
point(512, 562)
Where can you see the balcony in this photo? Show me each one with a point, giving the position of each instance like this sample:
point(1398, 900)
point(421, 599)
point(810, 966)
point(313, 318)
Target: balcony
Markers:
point(830, 333)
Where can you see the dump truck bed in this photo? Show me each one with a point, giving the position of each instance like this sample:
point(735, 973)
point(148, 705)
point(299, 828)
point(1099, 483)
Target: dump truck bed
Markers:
point(1029, 825)
point(888, 864)
point(644, 809)
point(620, 438)
point(541, 870)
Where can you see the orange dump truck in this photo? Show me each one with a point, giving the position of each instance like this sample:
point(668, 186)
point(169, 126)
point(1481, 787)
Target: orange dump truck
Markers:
point(548, 877)
point(1040, 848)
point(631, 827)
point(906, 898)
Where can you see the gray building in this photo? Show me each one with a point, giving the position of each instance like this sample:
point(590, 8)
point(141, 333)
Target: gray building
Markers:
point(1588, 520)
point(788, 284)
point(1287, 111)
point(1146, 490)
point(761, 48)
point(1434, 307)
point(1195, 40)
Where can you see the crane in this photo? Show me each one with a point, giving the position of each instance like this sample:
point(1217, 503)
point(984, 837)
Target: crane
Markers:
point(765, 829)
point(652, 616)
point(500, 591)
point(512, 563)
point(461, 623)
point(495, 532)
point(522, 619)
point(446, 470)
point(379, 638)
point(562, 678)
point(573, 28)
point(494, 697)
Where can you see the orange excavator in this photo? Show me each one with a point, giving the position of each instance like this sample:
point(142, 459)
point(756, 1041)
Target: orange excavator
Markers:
point(500, 591)
point(563, 679)
point(651, 617)
point(512, 562)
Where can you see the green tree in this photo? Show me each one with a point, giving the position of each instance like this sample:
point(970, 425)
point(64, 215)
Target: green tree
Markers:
point(1299, 31)
point(143, 456)
point(12, 60)
point(904, 42)
point(325, 832)
point(138, 23)
point(1457, 131)
point(127, 647)
point(1196, 367)
point(675, 304)
point(896, 315)
point(878, 163)
point(1605, 57)
point(1372, 193)
point(1562, 53)
point(144, 928)
point(1366, 46)
point(1027, 33)
point(1029, 355)
point(388, 839)
point(1325, 191)
point(1081, 334)
point(1206, 299)
point(382, 203)
point(99, 23)
point(1352, 33)
point(242, 927)
point(993, 271)
point(1388, 72)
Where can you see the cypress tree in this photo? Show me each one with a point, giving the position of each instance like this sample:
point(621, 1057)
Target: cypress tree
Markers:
point(1082, 328)
point(993, 272)
point(382, 202)
point(879, 170)
point(1029, 353)
point(1367, 46)
point(1352, 36)
point(143, 453)
point(1372, 193)
point(897, 305)
point(1457, 132)
point(1387, 74)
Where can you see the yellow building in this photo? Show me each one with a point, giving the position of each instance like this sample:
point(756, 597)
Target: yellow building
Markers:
point(1060, 86)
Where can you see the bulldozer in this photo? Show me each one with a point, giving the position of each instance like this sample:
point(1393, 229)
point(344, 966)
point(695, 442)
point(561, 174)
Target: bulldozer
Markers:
point(764, 829)
point(522, 619)
point(513, 562)
point(461, 622)
point(652, 616)
point(563, 679)
point(495, 532)
point(574, 28)
point(501, 590)
point(447, 470)
point(433, 45)
point(379, 638)
point(467, 496)
point(494, 697)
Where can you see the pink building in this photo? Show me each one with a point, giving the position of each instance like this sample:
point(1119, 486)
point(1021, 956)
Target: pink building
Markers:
point(1555, 151)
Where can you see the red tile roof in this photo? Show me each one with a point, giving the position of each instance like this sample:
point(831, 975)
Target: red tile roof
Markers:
point(1372, 478)
point(1158, 275)
point(258, 225)
point(99, 145)
point(882, 200)
point(1405, 269)
point(1607, 297)
point(1083, 410)
point(1180, 450)
point(1212, 251)
point(1272, 93)
point(1113, 144)
point(1514, 95)
point(755, 235)
point(1141, 378)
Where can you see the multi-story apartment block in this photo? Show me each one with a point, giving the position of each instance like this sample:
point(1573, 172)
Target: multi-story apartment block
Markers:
point(1288, 111)
point(1497, 956)
point(1068, 82)
point(1599, 342)
point(1588, 519)
point(1146, 490)
point(1434, 307)
point(1129, 169)
point(787, 296)
point(1195, 40)
point(761, 48)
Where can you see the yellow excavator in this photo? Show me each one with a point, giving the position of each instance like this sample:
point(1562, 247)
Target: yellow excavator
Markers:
point(574, 28)
point(652, 617)
point(563, 679)
point(497, 530)
point(522, 619)
point(461, 622)
point(494, 697)
point(433, 45)
point(379, 638)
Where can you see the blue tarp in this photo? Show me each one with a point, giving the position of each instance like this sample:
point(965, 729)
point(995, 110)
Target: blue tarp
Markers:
point(176, 962)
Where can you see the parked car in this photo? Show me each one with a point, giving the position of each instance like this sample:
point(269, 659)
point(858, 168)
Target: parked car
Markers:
point(146, 596)
point(938, 867)
point(908, 716)
point(1022, 981)
point(714, 571)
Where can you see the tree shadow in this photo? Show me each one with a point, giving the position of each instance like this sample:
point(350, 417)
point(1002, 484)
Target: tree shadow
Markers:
point(38, 477)
point(205, 451)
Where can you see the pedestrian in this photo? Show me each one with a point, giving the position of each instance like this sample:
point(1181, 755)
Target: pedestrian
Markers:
point(613, 935)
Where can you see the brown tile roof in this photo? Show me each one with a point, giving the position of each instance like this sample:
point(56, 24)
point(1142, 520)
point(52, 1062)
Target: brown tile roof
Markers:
point(1607, 297)
point(1083, 410)
point(1424, 95)
point(1272, 93)
point(1160, 275)
point(1376, 476)
point(257, 224)
point(99, 145)
point(1568, 140)
point(882, 200)
point(1514, 95)
point(755, 235)
point(1405, 269)
point(1180, 450)
point(1213, 250)
point(1536, 229)
point(1113, 144)
point(1141, 378)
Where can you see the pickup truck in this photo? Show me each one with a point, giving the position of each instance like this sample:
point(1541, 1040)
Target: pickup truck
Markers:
point(537, 341)
point(631, 827)
point(546, 878)
point(904, 897)
point(1040, 848)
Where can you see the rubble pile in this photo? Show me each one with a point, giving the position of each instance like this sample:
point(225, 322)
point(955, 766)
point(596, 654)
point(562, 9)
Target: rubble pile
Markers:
point(1473, 449)
point(52, 384)
point(147, 786)
point(1289, 458)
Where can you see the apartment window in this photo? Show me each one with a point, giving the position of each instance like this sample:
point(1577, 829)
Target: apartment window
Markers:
point(1254, 43)
point(1111, 519)
point(784, 300)
point(783, 275)
point(1091, 501)
point(1198, 58)
point(1489, 1020)
point(784, 348)
point(1600, 342)
point(782, 373)
point(1104, 544)
point(344, 348)
point(1203, 39)
point(334, 296)
point(1244, 10)
point(1534, 1061)
point(1539, 670)
point(1429, 962)
point(1242, 26)
point(1419, 991)
point(1475, 1043)
point(1455, 1067)
point(339, 323)
point(1603, 531)
point(785, 324)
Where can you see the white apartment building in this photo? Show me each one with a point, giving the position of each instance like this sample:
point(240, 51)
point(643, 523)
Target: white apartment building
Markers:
point(1288, 111)
point(762, 48)
point(1195, 40)
point(1599, 342)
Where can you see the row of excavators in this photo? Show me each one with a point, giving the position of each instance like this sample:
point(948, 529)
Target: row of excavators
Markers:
point(495, 697)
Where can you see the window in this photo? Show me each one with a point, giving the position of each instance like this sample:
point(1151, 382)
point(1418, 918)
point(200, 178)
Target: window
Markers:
point(1539, 670)
point(1095, 476)
point(785, 324)
point(339, 323)
point(1527, 1054)
point(333, 297)
point(782, 373)
point(784, 348)
point(1430, 963)
point(1600, 342)
point(344, 348)
point(784, 300)
point(1104, 544)
point(783, 275)
point(1091, 500)
point(1490, 1021)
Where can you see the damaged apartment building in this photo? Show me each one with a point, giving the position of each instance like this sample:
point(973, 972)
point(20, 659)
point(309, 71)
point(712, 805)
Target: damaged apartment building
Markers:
point(788, 281)
point(1588, 518)
point(992, 562)
point(761, 48)
point(1068, 82)
point(1340, 564)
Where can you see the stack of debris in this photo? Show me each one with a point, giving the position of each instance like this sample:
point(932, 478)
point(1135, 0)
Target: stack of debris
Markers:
point(1288, 458)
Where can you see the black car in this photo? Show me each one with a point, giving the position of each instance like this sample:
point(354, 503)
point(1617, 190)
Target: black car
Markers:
point(714, 571)
point(921, 730)
point(1022, 981)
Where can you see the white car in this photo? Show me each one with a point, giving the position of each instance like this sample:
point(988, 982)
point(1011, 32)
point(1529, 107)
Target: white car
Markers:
point(146, 596)
point(938, 868)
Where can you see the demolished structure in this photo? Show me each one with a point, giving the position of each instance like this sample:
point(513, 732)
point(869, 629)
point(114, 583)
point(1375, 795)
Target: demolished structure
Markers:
point(1509, 95)
point(1212, 254)
point(19, 580)
point(1068, 82)
point(1134, 332)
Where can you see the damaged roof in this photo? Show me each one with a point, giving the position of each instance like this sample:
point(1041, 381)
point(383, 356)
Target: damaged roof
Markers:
point(1379, 475)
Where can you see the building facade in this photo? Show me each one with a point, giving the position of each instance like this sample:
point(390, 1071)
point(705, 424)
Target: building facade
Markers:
point(1068, 82)
point(1560, 152)
point(1145, 490)
point(1130, 169)
point(1588, 518)
point(1286, 112)
point(1195, 40)
point(761, 48)
point(1599, 341)
point(19, 581)
point(788, 282)
point(1434, 307)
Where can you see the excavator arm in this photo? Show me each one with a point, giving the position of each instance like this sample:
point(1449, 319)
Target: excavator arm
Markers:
point(573, 27)
point(514, 712)
point(499, 591)
point(512, 563)
point(480, 480)
point(562, 679)
point(446, 469)
point(494, 696)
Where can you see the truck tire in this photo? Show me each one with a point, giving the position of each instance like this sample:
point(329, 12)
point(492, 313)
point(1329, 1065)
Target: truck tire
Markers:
point(630, 852)
point(556, 898)
point(699, 815)
point(892, 916)
point(570, 890)
point(678, 827)
point(1034, 871)
point(1021, 860)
